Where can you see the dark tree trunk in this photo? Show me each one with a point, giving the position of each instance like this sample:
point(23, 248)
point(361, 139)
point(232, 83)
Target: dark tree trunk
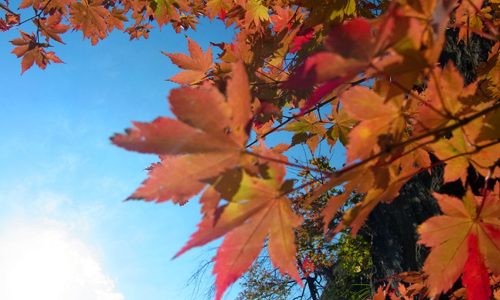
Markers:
point(392, 227)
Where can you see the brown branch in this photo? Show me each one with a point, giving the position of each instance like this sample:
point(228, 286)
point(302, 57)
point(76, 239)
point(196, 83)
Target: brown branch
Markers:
point(268, 77)
point(490, 26)
point(437, 133)
point(38, 14)
point(288, 119)
point(409, 92)
point(277, 68)
point(485, 194)
point(477, 32)
point(442, 161)
point(290, 164)
point(7, 9)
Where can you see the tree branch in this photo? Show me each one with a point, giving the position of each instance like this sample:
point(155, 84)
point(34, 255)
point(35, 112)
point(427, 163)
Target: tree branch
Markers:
point(288, 119)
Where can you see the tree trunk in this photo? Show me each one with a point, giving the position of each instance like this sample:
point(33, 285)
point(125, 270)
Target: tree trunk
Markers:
point(391, 228)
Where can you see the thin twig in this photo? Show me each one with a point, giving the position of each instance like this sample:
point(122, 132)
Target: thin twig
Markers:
point(290, 164)
point(410, 93)
point(490, 26)
point(38, 14)
point(437, 133)
point(288, 119)
point(7, 9)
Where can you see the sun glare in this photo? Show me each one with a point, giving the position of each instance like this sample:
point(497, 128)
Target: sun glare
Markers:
point(45, 263)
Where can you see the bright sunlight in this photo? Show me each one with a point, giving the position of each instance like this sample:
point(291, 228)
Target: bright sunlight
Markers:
point(45, 262)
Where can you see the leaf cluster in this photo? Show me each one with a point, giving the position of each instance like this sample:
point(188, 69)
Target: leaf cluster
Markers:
point(359, 74)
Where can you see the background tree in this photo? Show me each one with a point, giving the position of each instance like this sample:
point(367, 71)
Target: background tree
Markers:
point(370, 75)
point(330, 269)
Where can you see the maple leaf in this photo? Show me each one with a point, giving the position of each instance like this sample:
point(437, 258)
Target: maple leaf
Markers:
point(386, 192)
point(307, 130)
point(116, 19)
point(218, 221)
point(12, 19)
point(360, 46)
point(48, 6)
point(316, 70)
point(32, 52)
point(302, 37)
point(331, 209)
point(197, 146)
point(51, 27)
point(282, 19)
point(377, 183)
point(381, 293)
point(90, 18)
point(256, 210)
point(138, 31)
point(475, 278)
point(329, 10)
point(458, 151)
point(452, 238)
point(343, 63)
point(443, 98)
point(343, 123)
point(3, 25)
point(469, 7)
point(179, 178)
point(378, 117)
point(468, 17)
point(216, 7)
point(241, 246)
point(28, 3)
point(165, 11)
point(255, 12)
point(196, 65)
point(353, 39)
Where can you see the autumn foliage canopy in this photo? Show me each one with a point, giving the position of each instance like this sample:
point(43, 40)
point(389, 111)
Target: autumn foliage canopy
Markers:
point(365, 74)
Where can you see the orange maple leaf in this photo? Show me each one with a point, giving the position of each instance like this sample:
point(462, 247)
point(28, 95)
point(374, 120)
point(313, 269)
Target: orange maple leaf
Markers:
point(91, 18)
point(458, 151)
point(382, 122)
point(32, 52)
point(443, 99)
point(51, 27)
point(196, 65)
point(197, 146)
point(256, 210)
point(282, 19)
point(217, 7)
point(274, 218)
point(452, 236)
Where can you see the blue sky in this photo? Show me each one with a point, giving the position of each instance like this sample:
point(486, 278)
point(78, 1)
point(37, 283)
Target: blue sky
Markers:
point(60, 177)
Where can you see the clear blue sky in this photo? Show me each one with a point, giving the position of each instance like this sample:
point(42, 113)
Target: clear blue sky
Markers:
point(60, 177)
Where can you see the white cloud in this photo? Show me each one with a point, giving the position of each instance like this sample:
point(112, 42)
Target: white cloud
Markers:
point(48, 202)
point(43, 261)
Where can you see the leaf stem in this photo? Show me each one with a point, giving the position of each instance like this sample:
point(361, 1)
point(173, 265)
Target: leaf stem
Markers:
point(290, 164)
